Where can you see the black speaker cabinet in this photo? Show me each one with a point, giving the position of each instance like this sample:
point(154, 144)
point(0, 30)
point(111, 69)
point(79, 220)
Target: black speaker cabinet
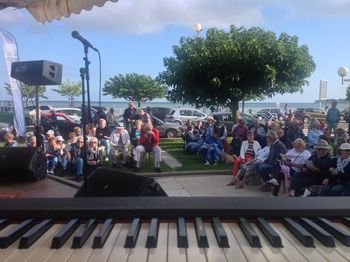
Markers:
point(105, 182)
point(22, 163)
point(40, 72)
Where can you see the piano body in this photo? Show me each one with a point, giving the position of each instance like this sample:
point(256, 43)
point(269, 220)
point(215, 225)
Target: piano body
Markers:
point(175, 229)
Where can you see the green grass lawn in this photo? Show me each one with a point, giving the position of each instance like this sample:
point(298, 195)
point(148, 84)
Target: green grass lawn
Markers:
point(190, 162)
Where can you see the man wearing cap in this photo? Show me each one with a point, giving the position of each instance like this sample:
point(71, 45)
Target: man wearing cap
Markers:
point(314, 171)
point(119, 140)
point(337, 182)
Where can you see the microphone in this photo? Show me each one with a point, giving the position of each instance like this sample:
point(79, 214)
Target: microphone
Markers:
point(86, 43)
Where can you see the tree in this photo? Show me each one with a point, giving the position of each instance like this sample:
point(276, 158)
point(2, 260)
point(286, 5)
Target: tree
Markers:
point(134, 87)
point(224, 68)
point(70, 90)
point(348, 93)
point(28, 92)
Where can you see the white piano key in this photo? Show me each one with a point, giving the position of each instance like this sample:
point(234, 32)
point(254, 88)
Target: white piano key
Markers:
point(159, 254)
point(119, 253)
point(250, 253)
point(38, 245)
point(102, 254)
point(194, 253)
point(140, 252)
point(289, 251)
point(8, 252)
point(329, 253)
point(310, 253)
point(175, 254)
point(271, 253)
point(83, 253)
point(214, 253)
point(234, 252)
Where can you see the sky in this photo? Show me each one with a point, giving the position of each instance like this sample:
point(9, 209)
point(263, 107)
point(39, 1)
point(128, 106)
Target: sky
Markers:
point(135, 36)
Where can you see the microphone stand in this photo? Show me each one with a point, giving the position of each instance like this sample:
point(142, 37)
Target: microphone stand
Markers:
point(87, 76)
point(83, 123)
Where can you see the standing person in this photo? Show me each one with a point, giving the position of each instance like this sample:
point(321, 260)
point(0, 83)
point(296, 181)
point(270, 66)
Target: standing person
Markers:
point(143, 116)
point(129, 116)
point(111, 119)
point(119, 140)
point(333, 117)
point(75, 158)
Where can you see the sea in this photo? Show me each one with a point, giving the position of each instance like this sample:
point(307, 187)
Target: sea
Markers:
point(119, 107)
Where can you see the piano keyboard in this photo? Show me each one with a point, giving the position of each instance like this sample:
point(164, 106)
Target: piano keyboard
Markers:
point(177, 229)
point(303, 239)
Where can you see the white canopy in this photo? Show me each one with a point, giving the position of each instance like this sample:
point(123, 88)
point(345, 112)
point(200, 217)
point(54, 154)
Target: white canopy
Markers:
point(48, 10)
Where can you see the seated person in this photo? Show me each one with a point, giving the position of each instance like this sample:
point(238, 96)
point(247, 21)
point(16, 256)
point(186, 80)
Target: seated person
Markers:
point(93, 154)
point(103, 134)
point(212, 149)
point(90, 130)
point(314, 134)
point(239, 134)
point(223, 134)
point(249, 149)
point(248, 167)
point(61, 154)
point(9, 140)
point(119, 140)
point(191, 141)
point(314, 171)
point(291, 164)
point(271, 164)
point(52, 155)
point(259, 132)
point(31, 142)
point(337, 182)
point(149, 142)
point(135, 134)
point(75, 158)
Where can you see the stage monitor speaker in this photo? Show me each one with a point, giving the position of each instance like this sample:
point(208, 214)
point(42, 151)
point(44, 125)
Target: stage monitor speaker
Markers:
point(22, 163)
point(105, 182)
point(40, 72)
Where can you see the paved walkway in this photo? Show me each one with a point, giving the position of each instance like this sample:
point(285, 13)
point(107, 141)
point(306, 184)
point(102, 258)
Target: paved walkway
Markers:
point(171, 161)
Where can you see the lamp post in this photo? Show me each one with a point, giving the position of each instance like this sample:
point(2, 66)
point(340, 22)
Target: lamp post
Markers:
point(197, 27)
point(342, 72)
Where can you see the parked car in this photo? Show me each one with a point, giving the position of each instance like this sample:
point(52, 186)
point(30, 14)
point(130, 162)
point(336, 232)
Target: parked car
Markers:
point(158, 112)
point(74, 113)
point(43, 108)
point(274, 111)
point(227, 119)
point(166, 129)
point(65, 123)
point(305, 114)
point(181, 115)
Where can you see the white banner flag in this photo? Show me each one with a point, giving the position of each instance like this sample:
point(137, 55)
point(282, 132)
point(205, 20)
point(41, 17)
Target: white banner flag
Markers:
point(11, 55)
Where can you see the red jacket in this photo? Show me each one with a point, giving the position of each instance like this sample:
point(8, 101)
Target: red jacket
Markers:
point(144, 139)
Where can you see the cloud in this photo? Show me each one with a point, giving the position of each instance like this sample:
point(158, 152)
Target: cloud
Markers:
point(147, 16)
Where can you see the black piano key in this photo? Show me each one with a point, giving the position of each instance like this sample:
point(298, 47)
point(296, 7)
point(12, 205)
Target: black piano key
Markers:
point(182, 240)
point(318, 232)
point(249, 232)
point(65, 232)
point(133, 233)
point(201, 233)
point(336, 231)
point(83, 234)
point(271, 235)
point(220, 233)
point(102, 235)
point(299, 232)
point(34, 233)
point(346, 221)
point(3, 223)
point(15, 233)
point(152, 236)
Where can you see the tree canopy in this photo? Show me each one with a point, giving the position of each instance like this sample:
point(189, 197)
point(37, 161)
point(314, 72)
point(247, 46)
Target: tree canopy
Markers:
point(70, 90)
point(224, 68)
point(28, 92)
point(134, 87)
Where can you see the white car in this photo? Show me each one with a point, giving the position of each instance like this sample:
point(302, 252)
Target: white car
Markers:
point(181, 115)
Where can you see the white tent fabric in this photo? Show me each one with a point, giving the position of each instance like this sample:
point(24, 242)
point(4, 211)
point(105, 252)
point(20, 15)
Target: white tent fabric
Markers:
point(48, 10)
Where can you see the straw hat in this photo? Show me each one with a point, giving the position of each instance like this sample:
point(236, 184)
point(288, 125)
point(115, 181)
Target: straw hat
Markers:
point(322, 144)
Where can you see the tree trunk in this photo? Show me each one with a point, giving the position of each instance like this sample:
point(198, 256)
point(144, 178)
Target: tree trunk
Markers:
point(234, 110)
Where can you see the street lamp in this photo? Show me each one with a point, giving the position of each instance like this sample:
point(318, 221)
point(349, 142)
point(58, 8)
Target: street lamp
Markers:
point(342, 72)
point(197, 27)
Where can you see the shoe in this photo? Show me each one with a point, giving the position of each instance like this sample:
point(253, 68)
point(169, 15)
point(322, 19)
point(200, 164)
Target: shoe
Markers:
point(114, 165)
point(215, 163)
point(124, 165)
point(207, 163)
point(51, 172)
point(232, 182)
point(157, 169)
point(274, 182)
point(106, 159)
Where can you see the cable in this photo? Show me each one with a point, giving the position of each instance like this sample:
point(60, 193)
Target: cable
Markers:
point(100, 86)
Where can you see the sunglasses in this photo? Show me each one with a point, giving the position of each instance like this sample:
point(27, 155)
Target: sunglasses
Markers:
point(80, 142)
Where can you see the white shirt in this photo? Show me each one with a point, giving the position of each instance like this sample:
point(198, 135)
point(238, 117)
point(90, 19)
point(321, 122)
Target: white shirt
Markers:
point(298, 157)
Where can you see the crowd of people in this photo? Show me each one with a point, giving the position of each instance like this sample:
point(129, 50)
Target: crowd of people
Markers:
point(279, 153)
point(118, 144)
